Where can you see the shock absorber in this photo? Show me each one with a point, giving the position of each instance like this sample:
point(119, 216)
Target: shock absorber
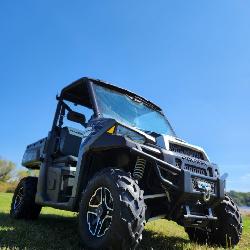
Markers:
point(139, 168)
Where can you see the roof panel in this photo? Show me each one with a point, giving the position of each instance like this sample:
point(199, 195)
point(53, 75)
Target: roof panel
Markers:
point(77, 92)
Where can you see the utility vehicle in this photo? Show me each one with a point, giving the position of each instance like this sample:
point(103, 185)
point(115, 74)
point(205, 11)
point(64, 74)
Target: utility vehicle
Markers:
point(112, 156)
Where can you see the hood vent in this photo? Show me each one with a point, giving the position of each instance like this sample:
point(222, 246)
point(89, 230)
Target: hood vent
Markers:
point(185, 151)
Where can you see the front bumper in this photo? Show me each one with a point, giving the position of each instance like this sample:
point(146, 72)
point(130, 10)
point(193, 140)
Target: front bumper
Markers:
point(183, 181)
point(182, 184)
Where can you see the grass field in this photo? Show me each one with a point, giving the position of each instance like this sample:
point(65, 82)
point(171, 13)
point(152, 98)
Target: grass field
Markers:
point(57, 229)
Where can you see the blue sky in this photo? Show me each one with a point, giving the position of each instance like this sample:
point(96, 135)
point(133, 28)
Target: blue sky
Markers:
point(190, 57)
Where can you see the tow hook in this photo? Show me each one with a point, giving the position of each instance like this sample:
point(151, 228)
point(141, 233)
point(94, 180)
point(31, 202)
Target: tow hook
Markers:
point(207, 194)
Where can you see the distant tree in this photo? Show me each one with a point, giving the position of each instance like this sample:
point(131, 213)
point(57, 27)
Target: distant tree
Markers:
point(6, 168)
point(248, 199)
point(22, 173)
point(242, 199)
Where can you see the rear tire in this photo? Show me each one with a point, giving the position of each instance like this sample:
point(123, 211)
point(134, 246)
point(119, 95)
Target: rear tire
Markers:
point(122, 225)
point(23, 204)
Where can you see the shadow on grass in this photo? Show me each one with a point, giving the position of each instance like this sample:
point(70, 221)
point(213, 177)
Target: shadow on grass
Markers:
point(153, 240)
point(59, 232)
point(48, 232)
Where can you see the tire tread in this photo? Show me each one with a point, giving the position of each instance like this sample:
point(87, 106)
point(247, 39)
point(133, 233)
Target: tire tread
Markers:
point(28, 209)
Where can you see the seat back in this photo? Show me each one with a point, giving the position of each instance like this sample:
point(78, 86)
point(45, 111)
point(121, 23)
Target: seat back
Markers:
point(70, 141)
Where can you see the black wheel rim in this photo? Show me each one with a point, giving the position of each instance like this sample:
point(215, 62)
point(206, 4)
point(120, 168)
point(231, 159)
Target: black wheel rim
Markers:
point(18, 198)
point(100, 212)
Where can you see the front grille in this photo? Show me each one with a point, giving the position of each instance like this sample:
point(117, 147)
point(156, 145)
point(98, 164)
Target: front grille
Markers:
point(195, 184)
point(185, 151)
point(195, 169)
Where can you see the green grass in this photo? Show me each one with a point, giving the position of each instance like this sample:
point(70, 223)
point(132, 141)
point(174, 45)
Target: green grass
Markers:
point(56, 229)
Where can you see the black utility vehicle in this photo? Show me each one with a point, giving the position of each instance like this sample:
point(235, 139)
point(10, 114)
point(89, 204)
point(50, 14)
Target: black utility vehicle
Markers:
point(112, 156)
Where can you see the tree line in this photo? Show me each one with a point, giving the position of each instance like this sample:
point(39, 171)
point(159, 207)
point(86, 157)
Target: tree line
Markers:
point(242, 199)
point(10, 175)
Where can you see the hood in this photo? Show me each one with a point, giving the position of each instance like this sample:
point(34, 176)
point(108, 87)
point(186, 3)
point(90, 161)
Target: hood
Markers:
point(164, 141)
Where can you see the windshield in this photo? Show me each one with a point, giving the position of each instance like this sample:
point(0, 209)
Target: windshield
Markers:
point(130, 111)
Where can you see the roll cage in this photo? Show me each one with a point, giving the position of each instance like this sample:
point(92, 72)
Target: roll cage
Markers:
point(81, 92)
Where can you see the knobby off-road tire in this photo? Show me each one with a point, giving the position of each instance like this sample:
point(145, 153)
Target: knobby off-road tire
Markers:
point(125, 205)
point(23, 204)
point(228, 229)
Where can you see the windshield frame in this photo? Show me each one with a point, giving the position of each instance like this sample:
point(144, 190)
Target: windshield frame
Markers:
point(133, 97)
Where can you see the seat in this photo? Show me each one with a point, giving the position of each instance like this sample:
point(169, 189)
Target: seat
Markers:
point(67, 160)
point(70, 141)
point(68, 146)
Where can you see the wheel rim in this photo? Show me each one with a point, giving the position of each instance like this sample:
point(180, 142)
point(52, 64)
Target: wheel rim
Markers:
point(18, 198)
point(100, 212)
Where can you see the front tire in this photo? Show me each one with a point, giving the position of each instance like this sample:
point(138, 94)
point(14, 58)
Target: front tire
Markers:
point(112, 211)
point(23, 204)
point(226, 232)
point(229, 230)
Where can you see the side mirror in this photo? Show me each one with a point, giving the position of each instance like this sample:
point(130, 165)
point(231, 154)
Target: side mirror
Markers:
point(77, 117)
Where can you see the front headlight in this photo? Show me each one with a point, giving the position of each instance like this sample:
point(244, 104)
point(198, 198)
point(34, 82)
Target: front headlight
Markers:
point(128, 133)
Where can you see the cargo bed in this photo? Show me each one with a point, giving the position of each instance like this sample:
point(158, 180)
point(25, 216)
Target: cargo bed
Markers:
point(32, 157)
